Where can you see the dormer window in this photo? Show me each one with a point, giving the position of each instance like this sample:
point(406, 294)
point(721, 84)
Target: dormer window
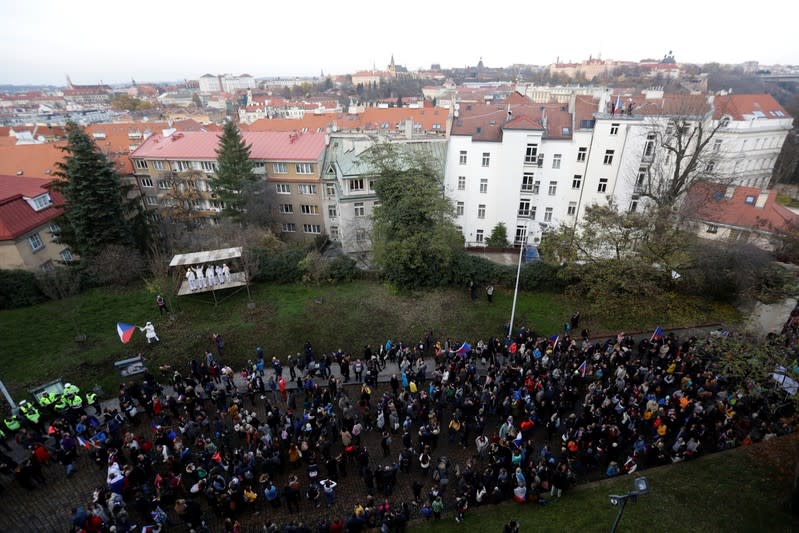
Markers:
point(42, 201)
point(725, 121)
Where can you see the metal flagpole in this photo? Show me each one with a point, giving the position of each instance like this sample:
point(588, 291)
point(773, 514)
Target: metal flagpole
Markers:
point(516, 290)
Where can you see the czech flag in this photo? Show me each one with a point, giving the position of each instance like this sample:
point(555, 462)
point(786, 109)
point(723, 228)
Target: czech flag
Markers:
point(657, 335)
point(553, 340)
point(125, 331)
point(465, 348)
point(583, 368)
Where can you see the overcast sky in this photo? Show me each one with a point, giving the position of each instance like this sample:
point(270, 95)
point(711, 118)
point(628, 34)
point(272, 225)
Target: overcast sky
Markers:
point(148, 40)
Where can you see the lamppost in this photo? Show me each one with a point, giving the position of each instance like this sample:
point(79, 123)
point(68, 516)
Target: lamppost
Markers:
point(518, 272)
point(641, 487)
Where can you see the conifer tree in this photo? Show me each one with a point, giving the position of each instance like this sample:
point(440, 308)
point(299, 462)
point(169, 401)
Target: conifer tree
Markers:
point(235, 171)
point(94, 203)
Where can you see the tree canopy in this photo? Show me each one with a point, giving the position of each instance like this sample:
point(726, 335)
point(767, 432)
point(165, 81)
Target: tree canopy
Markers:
point(95, 206)
point(414, 237)
point(235, 171)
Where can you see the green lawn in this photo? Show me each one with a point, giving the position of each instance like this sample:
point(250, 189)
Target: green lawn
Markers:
point(725, 492)
point(39, 342)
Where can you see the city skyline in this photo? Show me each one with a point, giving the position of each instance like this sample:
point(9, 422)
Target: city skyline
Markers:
point(45, 40)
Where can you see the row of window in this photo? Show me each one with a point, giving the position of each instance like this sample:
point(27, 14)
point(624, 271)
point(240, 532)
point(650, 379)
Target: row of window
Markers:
point(302, 188)
point(531, 157)
point(36, 243)
point(525, 210)
point(211, 166)
point(288, 209)
point(291, 227)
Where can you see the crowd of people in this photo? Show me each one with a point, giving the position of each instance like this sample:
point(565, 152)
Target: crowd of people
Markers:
point(527, 416)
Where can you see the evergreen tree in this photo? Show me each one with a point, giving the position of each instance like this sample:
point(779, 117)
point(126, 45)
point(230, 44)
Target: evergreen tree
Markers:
point(235, 171)
point(414, 238)
point(94, 210)
point(498, 237)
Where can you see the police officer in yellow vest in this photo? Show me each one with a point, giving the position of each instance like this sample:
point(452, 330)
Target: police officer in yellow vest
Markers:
point(31, 414)
point(12, 423)
point(47, 399)
point(91, 400)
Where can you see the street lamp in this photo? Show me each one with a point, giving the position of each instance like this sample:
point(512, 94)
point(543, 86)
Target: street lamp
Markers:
point(518, 272)
point(641, 487)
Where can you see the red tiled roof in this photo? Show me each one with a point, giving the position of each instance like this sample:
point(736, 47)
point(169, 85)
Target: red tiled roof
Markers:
point(707, 202)
point(17, 217)
point(271, 146)
point(485, 122)
point(371, 119)
point(34, 160)
point(738, 105)
point(669, 104)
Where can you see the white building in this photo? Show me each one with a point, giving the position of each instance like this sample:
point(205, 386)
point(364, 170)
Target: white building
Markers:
point(209, 83)
point(533, 166)
point(231, 84)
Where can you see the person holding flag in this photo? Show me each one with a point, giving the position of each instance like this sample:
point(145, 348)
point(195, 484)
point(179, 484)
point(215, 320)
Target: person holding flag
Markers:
point(657, 335)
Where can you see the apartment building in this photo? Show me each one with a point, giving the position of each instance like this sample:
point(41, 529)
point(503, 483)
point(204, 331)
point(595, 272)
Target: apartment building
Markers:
point(533, 166)
point(349, 183)
point(174, 172)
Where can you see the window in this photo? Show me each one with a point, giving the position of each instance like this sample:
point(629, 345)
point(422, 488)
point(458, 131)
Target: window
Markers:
point(483, 185)
point(710, 166)
point(356, 185)
point(258, 164)
point(527, 182)
point(180, 166)
point(609, 157)
point(524, 208)
point(531, 154)
point(577, 181)
point(540, 162)
point(486, 159)
point(481, 211)
point(158, 165)
point(289, 227)
point(331, 211)
point(711, 228)
point(280, 168)
point(641, 178)
point(36, 242)
point(649, 145)
point(304, 168)
point(749, 200)
point(283, 188)
point(548, 214)
point(207, 165)
point(360, 211)
point(582, 153)
point(151, 200)
point(536, 186)
point(66, 256)
point(461, 183)
point(634, 204)
point(459, 208)
point(521, 235)
point(372, 185)
point(603, 185)
point(41, 202)
point(164, 185)
point(307, 189)
point(47, 266)
point(556, 161)
point(463, 157)
point(286, 209)
point(54, 228)
point(334, 233)
point(330, 190)
point(312, 228)
point(717, 145)
point(553, 188)
point(141, 163)
point(360, 235)
point(478, 235)
point(146, 182)
point(572, 209)
point(614, 128)
point(532, 212)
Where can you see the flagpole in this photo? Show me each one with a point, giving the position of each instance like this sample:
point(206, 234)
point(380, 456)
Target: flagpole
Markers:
point(516, 290)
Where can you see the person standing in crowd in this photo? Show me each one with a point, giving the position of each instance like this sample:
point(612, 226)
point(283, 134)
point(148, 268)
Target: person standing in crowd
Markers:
point(490, 293)
point(191, 277)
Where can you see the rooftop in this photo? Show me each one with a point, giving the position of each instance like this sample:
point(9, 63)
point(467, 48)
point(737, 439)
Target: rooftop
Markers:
point(271, 146)
point(17, 217)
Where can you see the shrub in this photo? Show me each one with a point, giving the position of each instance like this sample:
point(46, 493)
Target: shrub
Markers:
point(341, 269)
point(281, 266)
point(19, 288)
point(540, 276)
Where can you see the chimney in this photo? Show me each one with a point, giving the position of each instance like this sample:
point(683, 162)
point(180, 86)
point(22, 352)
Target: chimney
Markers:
point(409, 128)
point(762, 198)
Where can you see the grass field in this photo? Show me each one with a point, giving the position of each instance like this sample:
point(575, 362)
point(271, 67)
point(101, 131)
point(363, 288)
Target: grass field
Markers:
point(39, 342)
point(744, 490)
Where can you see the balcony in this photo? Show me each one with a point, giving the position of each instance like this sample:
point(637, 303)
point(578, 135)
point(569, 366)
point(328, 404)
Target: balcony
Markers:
point(525, 213)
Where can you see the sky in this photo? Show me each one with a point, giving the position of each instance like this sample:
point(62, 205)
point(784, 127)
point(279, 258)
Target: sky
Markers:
point(111, 42)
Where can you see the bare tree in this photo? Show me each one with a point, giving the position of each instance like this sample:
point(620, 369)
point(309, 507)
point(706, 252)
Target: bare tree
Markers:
point(677, 151)
point(182, 199)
